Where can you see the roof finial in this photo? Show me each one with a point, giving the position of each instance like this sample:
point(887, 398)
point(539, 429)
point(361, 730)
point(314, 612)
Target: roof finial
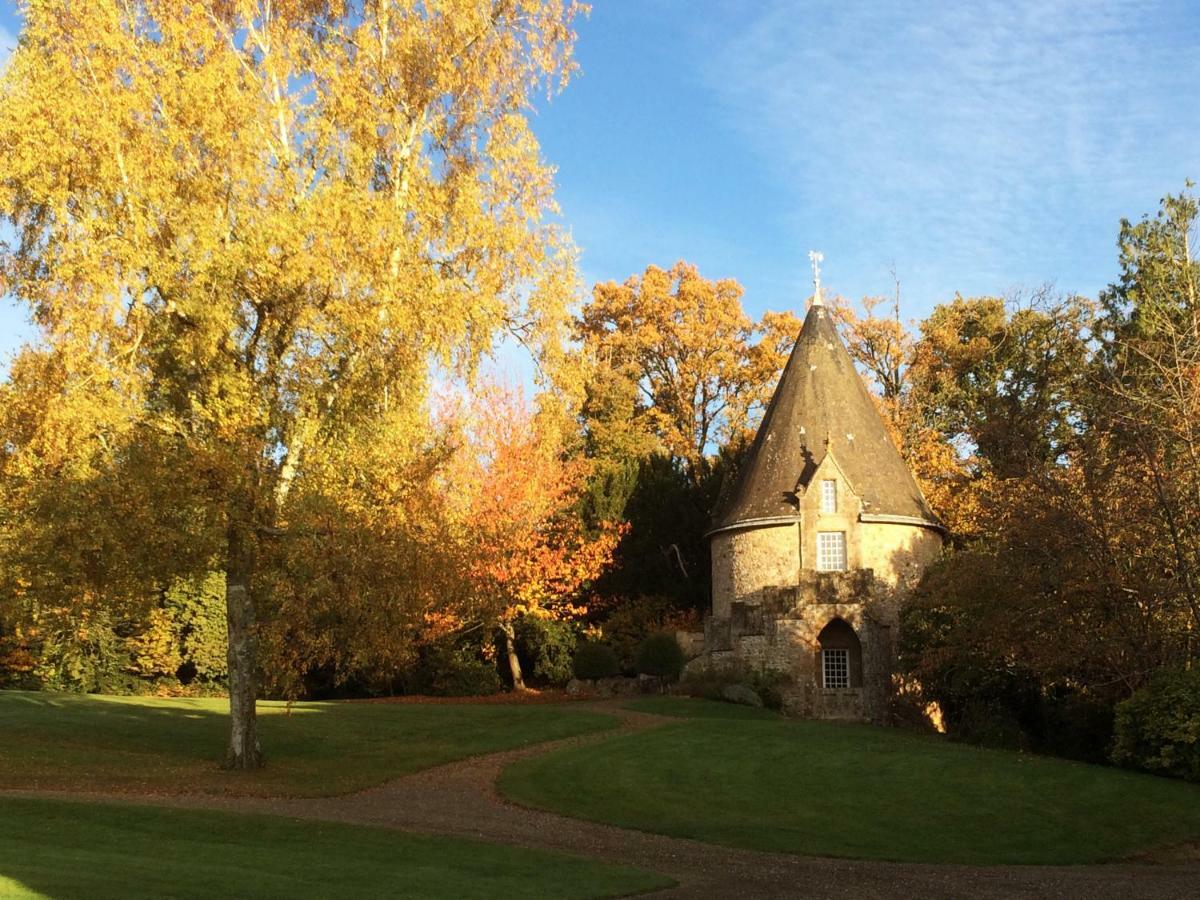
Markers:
point(816, 257)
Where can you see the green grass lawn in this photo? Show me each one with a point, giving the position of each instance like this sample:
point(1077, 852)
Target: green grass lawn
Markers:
point(93, 743)
point(730, 775)
point(687, 708)
point(93, 851)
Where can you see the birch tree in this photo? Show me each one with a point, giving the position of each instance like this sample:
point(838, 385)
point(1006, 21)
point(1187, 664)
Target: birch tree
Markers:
point(273, 215)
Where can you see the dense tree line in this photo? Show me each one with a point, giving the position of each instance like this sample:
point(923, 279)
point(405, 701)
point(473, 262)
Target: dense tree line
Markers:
point(267, 247)
point(1070, 580)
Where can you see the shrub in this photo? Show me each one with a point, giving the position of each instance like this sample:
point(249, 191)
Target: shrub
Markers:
point(1158, 728)
point(709, 683)
point(17, 663)
point(660, 655)
point(1076, 726)
point(545, 648)
point(595, 660)
point(180, 643)
point(631, 622)
point(769, 684)
point(197, 607)
point(988, 724)
point(985, 699)
point(86, 654)
point(154, 650)
point(446, 670)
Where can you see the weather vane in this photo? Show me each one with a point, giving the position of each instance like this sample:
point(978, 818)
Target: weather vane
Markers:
point(816, 257)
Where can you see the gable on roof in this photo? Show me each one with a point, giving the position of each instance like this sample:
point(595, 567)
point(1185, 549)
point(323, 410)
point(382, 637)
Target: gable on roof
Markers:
point(820, 407)
point(826, 467)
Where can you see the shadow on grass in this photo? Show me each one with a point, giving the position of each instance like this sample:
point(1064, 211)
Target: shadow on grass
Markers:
point(92, 743)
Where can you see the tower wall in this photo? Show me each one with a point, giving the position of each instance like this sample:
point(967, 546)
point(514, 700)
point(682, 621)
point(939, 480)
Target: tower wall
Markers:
point(770, 606)
point(747, 561)
point(897, 553)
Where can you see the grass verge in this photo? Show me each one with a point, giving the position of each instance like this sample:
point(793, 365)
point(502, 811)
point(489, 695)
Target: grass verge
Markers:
point(96, 851)
point(729, 777)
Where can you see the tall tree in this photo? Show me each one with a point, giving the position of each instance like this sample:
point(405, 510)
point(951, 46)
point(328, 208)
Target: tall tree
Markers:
point(881, 346)
point(1077, 578)
point(885, 350)
point(674, 372)
point(272, 216)
point(680, 347)
point(1151, 378)
point(1005, 377)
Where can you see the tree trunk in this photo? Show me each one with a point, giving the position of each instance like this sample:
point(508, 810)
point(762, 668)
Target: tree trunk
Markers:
point(510, 647)
point(244, 751)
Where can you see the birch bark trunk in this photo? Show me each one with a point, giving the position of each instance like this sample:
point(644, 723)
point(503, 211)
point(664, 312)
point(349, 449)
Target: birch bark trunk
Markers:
point(244, 751)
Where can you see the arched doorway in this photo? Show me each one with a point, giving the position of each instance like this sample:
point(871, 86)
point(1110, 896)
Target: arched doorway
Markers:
point(840, 658)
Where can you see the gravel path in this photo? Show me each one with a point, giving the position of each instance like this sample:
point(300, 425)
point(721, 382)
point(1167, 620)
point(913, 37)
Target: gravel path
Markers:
point(460, 799)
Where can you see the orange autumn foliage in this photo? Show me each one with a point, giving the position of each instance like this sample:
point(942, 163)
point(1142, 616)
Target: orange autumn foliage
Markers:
point(529, 554)
point(514, 494)
point(694, 370)
point(887, 354)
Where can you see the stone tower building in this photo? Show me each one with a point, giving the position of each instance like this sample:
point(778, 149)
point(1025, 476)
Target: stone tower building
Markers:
point(821, 537)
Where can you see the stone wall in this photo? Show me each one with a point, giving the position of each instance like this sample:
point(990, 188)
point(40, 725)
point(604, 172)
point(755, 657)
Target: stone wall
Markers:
point(897, 554)
point(745, 562)
point(748, 561)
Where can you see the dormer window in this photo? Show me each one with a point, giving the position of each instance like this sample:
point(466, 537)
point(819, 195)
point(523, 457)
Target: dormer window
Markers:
point(829, 496)
point(831, 551)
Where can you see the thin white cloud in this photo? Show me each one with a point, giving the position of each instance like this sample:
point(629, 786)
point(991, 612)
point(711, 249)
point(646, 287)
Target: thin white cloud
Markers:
point(976, 133)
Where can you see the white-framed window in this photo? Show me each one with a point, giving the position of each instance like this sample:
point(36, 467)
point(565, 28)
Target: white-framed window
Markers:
point(831, 551)
point(835, 668)
point(829, 496)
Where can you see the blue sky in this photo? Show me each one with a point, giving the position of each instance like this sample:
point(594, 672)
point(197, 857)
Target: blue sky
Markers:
point(978, 147)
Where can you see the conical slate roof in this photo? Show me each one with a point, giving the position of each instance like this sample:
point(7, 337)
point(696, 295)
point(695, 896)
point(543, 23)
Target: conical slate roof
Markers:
point(820, 398)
